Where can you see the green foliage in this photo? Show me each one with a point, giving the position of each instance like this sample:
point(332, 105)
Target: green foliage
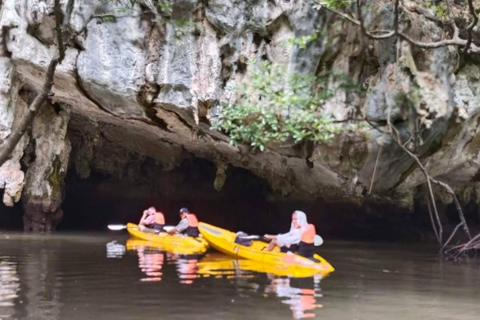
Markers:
point(183, 27)
point(276, 107)
point(440, 9)
point(165, 7)
point(334, 4)
point(303, 42)
point(107, 18)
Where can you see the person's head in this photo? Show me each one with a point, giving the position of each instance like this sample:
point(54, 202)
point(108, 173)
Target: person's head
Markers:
point(151, 210)
point(183, 212)
point(299, 218)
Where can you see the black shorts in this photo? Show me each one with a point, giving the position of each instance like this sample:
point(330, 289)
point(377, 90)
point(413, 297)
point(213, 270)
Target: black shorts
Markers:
point(158, 227)
point(192, 232)
point(292, 248)
point(306, 250)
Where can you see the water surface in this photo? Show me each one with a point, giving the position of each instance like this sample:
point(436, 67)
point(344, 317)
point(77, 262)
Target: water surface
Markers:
point(94, 276)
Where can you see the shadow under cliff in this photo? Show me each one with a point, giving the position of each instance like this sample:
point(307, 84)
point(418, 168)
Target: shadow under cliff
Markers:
point(245, 203)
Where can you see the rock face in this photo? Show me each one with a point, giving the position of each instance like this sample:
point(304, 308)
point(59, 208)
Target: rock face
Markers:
point(152, 82)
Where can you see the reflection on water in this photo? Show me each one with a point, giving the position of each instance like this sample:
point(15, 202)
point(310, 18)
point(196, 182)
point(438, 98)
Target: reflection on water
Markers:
point(104, 277)
point(187, 269)
point(151, 258)
point(302, 301)
point(115, 250)
point(151, 264)
point(301, 296)
point(9, 287)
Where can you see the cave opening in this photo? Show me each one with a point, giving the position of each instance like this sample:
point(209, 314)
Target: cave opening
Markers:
point(245, 203)
point(101, 199)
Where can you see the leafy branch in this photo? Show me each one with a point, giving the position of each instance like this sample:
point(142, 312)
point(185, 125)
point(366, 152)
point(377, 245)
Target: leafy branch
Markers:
point(274, 107)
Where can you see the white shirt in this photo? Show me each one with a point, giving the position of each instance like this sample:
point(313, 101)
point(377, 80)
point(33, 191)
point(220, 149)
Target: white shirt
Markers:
point(294, 236)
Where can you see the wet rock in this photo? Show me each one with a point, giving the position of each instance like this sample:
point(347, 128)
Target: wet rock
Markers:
point(44, 182)
point(12, 108)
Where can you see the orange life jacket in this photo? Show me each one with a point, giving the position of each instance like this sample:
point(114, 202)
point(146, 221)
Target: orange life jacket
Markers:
point(192, 220)
point(308, 236)
point(159, 218)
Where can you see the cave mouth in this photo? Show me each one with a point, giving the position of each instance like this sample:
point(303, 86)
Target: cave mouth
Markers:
point(102, 199)
point(246, 202)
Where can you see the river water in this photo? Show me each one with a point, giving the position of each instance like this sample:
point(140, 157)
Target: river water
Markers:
point(93, 276)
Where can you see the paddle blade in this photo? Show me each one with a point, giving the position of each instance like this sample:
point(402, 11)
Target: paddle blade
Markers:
point(168, 228)
point(250, 237)
point(318, 241)
point(116, 227)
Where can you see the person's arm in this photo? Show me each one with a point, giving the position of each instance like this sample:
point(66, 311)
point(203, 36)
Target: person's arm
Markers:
point(289, 238)
point(142, 219)
point(270, 237)
point(181, 226)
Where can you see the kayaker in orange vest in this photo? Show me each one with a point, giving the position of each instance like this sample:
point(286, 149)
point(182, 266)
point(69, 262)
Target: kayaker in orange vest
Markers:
point(188, 225)
point(291, 240)
point(152, 221)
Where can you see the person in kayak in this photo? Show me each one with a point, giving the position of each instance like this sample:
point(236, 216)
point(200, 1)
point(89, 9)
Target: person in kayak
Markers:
point(299, 239)
point(188, 224)
point(152, 221)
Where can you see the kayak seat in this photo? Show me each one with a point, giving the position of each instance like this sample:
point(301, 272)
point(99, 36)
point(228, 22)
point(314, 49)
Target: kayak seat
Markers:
point(240, 239)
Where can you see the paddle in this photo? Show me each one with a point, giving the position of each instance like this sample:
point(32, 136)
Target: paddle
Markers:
point(117, 227)
point(317, 241)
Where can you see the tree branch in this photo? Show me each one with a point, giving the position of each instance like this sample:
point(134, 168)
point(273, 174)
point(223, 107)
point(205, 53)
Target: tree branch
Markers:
point(432, 180)
point(14, 137)
point(389, 34)
point(451, 236)
point(470, 27)
point(454, 41)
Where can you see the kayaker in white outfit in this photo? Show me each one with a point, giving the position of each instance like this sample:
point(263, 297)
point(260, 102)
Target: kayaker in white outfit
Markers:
point(289, 241)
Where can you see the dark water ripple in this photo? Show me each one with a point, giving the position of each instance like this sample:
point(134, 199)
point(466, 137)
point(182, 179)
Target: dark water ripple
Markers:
point(93, 276)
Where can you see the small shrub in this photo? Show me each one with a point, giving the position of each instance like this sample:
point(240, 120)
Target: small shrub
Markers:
point(274, 107)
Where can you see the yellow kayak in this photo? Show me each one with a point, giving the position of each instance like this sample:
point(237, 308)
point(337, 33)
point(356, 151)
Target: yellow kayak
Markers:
point(175, 242)
point(224, 241)
point(221, 265)
point(135, 244)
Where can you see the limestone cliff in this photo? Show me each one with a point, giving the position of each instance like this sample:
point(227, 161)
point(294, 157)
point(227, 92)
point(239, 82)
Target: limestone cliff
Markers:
point(152, 89)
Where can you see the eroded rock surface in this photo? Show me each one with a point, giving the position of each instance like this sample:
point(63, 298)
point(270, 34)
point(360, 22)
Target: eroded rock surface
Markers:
point(147, 85)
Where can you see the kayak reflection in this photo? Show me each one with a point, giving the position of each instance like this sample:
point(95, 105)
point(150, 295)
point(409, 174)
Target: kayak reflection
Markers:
point(299, 292)
point(220, 264)
point(152, 257)
point(187, 268)
point(9, 287)
point(150, 262)
point(300, 295)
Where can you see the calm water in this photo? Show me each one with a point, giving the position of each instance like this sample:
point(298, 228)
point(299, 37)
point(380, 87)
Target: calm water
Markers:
point(93, 276)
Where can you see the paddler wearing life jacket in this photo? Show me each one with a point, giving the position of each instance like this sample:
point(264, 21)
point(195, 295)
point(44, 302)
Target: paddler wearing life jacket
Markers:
point(299, 239)
point(152, 221)
point(188, 224)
